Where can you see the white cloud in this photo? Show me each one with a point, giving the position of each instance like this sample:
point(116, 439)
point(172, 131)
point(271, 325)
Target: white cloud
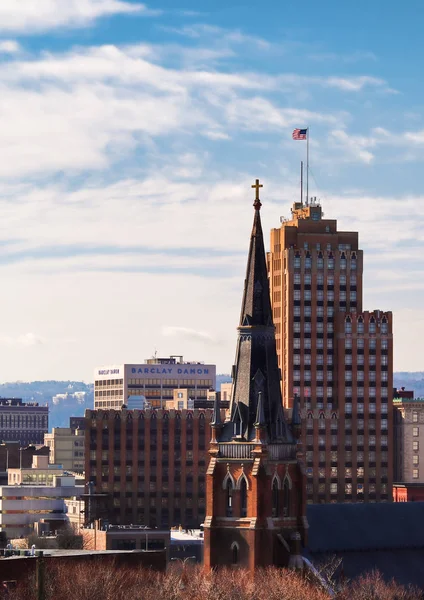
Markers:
point(157, 222)
point(25, 340)
point(32, 16)
point(9, 47)
point(188, 334)
point(223, 36)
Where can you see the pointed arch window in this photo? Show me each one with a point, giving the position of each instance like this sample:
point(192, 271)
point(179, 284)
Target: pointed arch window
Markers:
point(348, 325)
point(286, 499)
point(234, 553)
point(372, 327)
point(229, 498)
point(243, 498)
point(275, 498)
point(384, 326)
point(360, 325)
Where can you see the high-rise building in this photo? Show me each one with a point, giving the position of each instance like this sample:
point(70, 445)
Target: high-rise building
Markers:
point(255, 485)
point(155, 380)
point(335, 356)
point(23, 422)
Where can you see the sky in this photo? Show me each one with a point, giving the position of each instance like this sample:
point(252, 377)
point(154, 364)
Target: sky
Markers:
point(130, 136)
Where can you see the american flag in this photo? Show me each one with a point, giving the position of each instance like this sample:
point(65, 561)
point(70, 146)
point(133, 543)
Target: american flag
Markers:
point(300, 134)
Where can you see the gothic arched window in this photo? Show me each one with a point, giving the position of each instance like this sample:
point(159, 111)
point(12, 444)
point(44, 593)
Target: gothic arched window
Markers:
point(243, 498)
point(234, 553)
point(229, 498)
point(275, 499)
point(286, 502)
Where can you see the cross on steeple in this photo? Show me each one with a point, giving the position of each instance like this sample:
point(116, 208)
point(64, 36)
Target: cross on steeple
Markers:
point(257, 203)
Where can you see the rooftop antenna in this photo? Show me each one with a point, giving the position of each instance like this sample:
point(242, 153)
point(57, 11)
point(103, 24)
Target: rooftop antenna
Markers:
point(307, 162)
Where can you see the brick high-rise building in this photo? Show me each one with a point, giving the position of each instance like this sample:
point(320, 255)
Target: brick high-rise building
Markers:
point(151, 463)
point(335, 356)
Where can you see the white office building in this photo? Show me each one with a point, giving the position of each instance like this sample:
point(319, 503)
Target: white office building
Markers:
point(155, 379)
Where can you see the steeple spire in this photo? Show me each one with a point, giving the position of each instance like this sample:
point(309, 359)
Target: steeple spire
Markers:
point(256, 305)
point(256, 394)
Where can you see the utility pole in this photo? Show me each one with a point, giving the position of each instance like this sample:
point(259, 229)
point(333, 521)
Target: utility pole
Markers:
point(39, 578)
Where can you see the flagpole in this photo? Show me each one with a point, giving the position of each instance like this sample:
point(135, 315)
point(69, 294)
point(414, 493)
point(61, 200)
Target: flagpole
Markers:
point(307, 164)
point(301, 182)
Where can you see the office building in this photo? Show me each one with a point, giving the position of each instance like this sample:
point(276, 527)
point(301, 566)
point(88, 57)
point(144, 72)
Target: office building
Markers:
point(408, 446)
point(23, 422)
point(150, 463)
point(155, 380)
point(22, 505)
point(335, 356)
point(66, 448)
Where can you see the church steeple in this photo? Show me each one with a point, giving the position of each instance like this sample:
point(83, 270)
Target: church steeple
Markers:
point(256, 304)
point(254, 484)
point(256, 370)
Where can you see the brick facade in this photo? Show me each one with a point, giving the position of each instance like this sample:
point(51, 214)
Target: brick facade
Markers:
point(151, 463)
point(337, 357)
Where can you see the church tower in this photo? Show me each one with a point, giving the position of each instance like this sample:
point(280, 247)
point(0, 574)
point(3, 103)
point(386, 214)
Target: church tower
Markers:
point(255, 511)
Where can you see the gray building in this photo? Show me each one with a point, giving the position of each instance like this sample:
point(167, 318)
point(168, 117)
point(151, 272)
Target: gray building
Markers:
point(23, 422)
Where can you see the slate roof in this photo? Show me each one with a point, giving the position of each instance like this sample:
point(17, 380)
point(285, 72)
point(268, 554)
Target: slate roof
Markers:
point(384, 536)
point(374, 526)
point(256, 368)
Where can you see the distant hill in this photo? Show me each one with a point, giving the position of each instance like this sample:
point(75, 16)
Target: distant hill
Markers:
point(64, 398)
point(222, 379)
point(71, 398)
point(410, 381)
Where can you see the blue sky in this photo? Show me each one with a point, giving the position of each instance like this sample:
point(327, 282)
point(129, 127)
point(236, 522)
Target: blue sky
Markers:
point(131, 134)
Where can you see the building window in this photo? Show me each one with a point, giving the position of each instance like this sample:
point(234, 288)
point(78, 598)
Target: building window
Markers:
point(275, 494)
point(415, 445)
point(414, 416)
point(372, 326)
point(415, 460)
point(415, 473)
point(243, 498)
point(234, 553)
point(229, 503)
point(286, 496)
point(415, 431)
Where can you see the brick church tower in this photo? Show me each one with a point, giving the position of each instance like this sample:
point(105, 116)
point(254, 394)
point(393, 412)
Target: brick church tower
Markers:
point(255, 488)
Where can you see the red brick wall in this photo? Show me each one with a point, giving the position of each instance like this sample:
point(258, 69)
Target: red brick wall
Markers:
point(131, 498)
